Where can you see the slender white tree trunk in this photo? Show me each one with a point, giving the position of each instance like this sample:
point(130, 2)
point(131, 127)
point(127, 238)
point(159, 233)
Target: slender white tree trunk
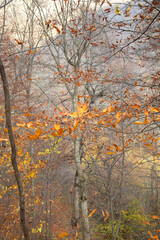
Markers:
point(82, 190)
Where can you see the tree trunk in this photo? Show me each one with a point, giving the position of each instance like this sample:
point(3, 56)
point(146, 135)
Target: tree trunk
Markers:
point(76, 200)
point(13, 151)
point(83, 191)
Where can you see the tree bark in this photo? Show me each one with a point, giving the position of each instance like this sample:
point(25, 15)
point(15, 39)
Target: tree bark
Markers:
point(13, 151)
point(83, 191)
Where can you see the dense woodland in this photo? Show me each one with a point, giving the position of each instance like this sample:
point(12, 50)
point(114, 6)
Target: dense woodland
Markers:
point(79, 119)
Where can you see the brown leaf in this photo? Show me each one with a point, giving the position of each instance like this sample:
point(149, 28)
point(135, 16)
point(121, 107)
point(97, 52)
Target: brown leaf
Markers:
point(58, 30)
point(19, 42)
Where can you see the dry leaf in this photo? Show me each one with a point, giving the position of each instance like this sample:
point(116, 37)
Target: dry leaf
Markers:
point(74, 115)
point(36, 135)
point(109, 153)
point(19, 42)
point(76, 124)
point(138, 123)
point(62, 235)
point(117, 11)
point(92, 212)
point(57, 126)
point(60, 132)
point(54, 134)
point(117, 148)
point(58, 30)
point(155, 217)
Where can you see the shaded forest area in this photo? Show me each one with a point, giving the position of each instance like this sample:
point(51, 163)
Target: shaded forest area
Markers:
point(79, 119)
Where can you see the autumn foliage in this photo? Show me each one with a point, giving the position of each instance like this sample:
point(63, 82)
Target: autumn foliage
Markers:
point(84, 85)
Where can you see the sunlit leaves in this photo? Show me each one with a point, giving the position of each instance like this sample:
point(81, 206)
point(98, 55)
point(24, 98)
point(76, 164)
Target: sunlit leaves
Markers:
point(105, 110)
point(57, 126)
point(21, 124)
point(117, 11)
point(82, 109)
point(118, 120)
point(74, 115)
point(139, 123)
point(36, 135)
point(76, 122)
point(154, 109)
point(105, 215)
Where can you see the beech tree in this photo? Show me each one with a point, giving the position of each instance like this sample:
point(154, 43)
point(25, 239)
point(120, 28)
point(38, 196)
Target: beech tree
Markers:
point(91, 83)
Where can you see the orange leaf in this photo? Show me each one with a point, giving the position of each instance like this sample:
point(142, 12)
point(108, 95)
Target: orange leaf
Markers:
point(118, 115)
point(19, 42)
point(107, 214)
point(74, 115)
point(58, 30)
point(76, 234)
point(85, 107)
point(61, 108)
point(103, 101)
point(138, 123)
point(38, 132)
point(110, 108)
point(3, 139)
point(117, 11)
point(145, 120)
point(105, 110)
point(105, 219)
point(103, 213)
point(117, 121)
point(109, 153)
point(36, 136)
point(154, 109)
point(146, 113)
point(155, 217)
point(60, 132)
point(71, 190)
point(70, 130)
point(149, 233)
point(147, 223)
point(54, 134)
point(21, 124)
point(92, 212)
point(155, 237)
point(62, 235)
point(57, 126)
point(117, 148)
point(29, 124)
point(76, 124)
